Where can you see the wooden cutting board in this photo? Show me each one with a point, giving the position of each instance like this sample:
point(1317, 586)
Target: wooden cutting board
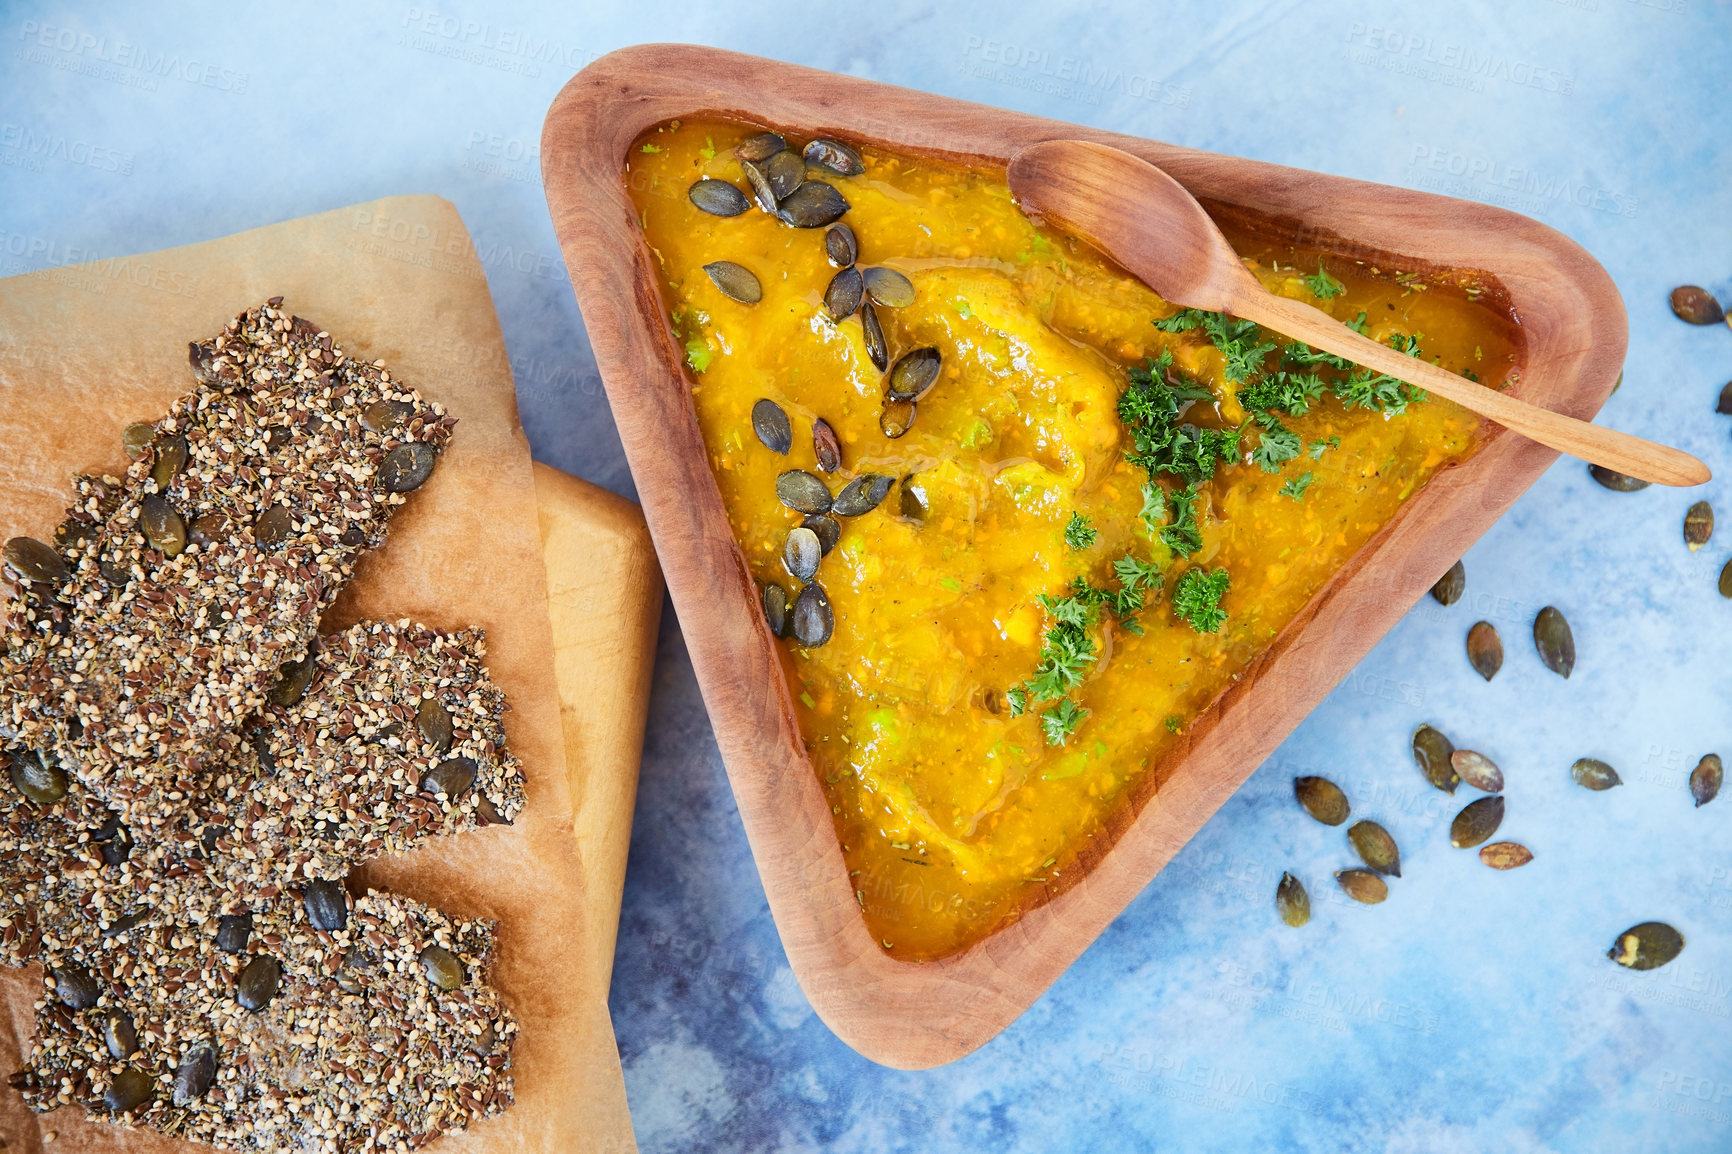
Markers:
point(560, 574)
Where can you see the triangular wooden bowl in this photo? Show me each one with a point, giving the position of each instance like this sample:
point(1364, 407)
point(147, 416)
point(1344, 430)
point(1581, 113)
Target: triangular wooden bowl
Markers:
point(915, 1015)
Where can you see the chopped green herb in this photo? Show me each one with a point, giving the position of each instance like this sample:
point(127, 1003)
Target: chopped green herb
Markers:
point(708, 151)
point(1297, 486)
point(806, 700)
point(650, 148)
point(1154, 512)
point(1277, 446)
point(951, 584)
point(1357, 324)
point(1183, 536)
point(1172, 723)
point(697, 354)
point(1323, 286)
point(1284, 392)
point(1061, 721)
point(1151, 406)
point(1197, 599)
point(962, 309)
point(1317, 447)
point(1079, 534)
point(977, 434)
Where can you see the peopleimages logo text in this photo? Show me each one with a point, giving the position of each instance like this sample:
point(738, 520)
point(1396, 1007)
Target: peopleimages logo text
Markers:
point(124, 54)
point(1075, 70)
point(1395, 43)
point(1518, 179)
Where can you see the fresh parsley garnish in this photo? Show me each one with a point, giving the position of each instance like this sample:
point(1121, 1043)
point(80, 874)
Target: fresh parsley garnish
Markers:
point(1183, 536)
point(1297, 486)
point(1278, 445)
point(1079, 534)
point(1323, 286)
point(1197, 599)
point(1059, 722)
point(1150, 408)
point(1317, 448)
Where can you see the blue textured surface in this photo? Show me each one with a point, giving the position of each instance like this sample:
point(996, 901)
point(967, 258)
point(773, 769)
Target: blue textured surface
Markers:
point(1473, 1010)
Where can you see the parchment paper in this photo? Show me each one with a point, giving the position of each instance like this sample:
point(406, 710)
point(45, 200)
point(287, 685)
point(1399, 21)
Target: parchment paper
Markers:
point(84, 350)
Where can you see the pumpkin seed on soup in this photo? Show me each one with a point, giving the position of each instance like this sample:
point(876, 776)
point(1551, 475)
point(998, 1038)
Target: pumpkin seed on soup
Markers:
point(801, 553)
point(1505, 855)
point(802, 492)
point(771, 425)
point(1477, 770)
point(1592, 773)
point(862, 495)
point(844, 293)
point(1322, 799)
point(1477, 821)
point(889, 287)
point(1431, 753)
point(1291, 901)
point(759, 182)
point(1362, 885)
point(1698, 525)
point(876, 347)
point(1706, 779)
point(1485, 649)
point(1451, 585)
point(841, 247)
point(1696, 305)
point(1647, 946)
point(826, 447)
point(839, 158)
point(1554, 641)
point(760, 146)
point(896, 418)
point(813, 619)
point(812, 205)
point(785, 171)
point(914, 374)
point(776, 609)
point(718, 197)
point(911, 505)
point(1375, 847)
point(736, 281)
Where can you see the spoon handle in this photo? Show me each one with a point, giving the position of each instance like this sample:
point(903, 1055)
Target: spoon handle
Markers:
point(1605, 447)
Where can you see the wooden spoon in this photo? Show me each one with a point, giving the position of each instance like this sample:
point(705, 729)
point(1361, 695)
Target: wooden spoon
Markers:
point(1149, 224)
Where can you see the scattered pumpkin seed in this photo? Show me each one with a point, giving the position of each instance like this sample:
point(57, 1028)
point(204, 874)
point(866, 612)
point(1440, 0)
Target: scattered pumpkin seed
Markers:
point(1706, 779)
point(35, 560)
point(826, 447)
point(1555, 642)
point(1431, 753)
point(38, 776)
point(718, 197)
point(1477, 821)
point(786, 170)
point(274, 526)
point(293, 677)
point(170, 460)
point(839, 158)
point(1647, 946)
point(195, 1077)
point(802, 492)
point(434, 722)
point(119, 1035)
point(736, 281)
point(862, 495)
point(840, 245)
point(842, 296)
point(911, 504)
point(1362, 885)
point(258, 983)
point(1485, 649)
point(327, 905)
point(407, 467)
point(1292, 902)
point(136, 438)
point(209, 529)
point(771, 424)
point(1726, 580)
point(801, 552)
point(1477, 770)
point(386, 414)
point(75, 987)
point(828, 529)
point(812, 205)
point(1322, 799)
point(1592, 773)
point(888, 287)
point(914, 374)
point(1505, 855)
point(759, 182)
point(1616, 481)
point(1375, 847)
point(233, 931)
point(813, 619)
point(441, 967)
point(1696, 305)
point(1698, 525)
point(760, 146)
point(128, 1090)
point(776, 609)
point(451, 777)
point(1725, 403)
point(897, 418)
point(162, 526)
point(876, 347)
point(1451, 585)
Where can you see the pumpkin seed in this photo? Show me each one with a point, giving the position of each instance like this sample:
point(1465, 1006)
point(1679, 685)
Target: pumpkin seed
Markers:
point(1485, 649)
point(1431, 752)
point(407, 467)
point(842, 296)
point(1451, 585)
point(258, 983)
point(441, 967)
point(736, 281)
point(759, 182)
point(136, 438)
point(1696, 305)
point(233, 930)
point(128, 1090)
point(1592, 773)
point(1698, 525)
point(896, 418)
point(717, 197)
point(760, 146)
point(812, 205)
point(1706, 778)
point(1477, 821)
point(1291, 901)
point(162, 526)
point(840, 245)
point(839, 158)
point(327, 905)
point(803, 492)
point(75, 988)
point(119, 1035)
point(382, 415)
point(786, 170)
point(450, 778)
point(1322, 799)
point(771, 424)
point(1726, 580)
point(1505, 855)
point(1477, 770)
point(35, 560)
point(889, 287)
point(813, 619)
point(434, 722)
point(876, 347)
point(911, 504)
point(1375, 847)
point(801, 553)
point(1616, 481)
point(828, 529)
point(195, 1077)
point(914, 374)
point(1725, 402)
point(862, 495)
point(209, 529)
point(127, 922)
point(1362, 885)
point(274, 526)
point(1555, 642)
point(776, 609)
point(170, 460)
point(38, 776)
point(825, 446)
point(293, 677)
point(1647, 946)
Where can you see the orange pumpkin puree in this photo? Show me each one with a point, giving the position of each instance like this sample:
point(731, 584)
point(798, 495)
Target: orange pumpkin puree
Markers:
point(954, 815)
